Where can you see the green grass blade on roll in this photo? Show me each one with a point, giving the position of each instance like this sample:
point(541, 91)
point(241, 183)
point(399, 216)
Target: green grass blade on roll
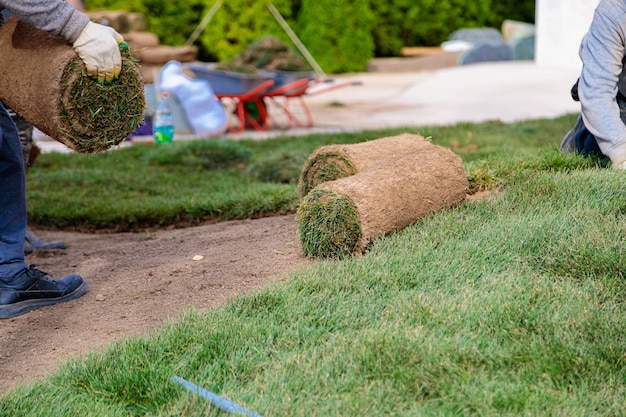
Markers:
point(45, 82)
point(328, 225)
point(324, 167)
point(96, 116)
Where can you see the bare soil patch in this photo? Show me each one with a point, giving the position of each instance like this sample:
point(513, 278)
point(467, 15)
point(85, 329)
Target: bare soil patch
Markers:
point(137, 281)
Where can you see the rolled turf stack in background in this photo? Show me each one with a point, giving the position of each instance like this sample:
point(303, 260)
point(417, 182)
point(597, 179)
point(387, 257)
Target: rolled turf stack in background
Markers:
point(331, 162)
point(44, 81)
point(342, 217)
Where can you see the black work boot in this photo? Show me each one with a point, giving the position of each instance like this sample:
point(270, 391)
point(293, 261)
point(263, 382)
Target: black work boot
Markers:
point(32, 289)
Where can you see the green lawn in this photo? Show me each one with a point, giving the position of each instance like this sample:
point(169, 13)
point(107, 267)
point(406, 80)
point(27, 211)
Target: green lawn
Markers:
point(146, 185)
point(511, 305)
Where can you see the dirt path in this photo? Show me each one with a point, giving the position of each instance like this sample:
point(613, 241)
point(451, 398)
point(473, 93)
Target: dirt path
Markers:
point(137, 281)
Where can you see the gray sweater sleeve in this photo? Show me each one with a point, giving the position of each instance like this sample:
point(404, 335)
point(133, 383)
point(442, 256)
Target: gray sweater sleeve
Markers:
point(55, 16)
point(602, 53)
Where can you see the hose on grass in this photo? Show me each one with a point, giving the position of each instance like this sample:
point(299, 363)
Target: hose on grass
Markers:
point(220, 402)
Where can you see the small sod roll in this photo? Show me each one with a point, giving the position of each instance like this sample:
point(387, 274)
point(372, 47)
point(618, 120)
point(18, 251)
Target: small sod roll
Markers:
point(45, 82)
point(342, 217)
point(331, 162)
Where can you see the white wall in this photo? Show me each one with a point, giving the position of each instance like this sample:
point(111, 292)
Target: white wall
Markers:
point(560, 26)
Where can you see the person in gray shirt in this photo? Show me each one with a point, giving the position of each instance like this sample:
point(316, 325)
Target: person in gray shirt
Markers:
point(23, 289)
point(601, 126)
point(26, 132)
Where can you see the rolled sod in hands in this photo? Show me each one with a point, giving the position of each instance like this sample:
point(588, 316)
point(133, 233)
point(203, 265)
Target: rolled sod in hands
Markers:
point(44, 81)
point(331, 162)
point(342, 217)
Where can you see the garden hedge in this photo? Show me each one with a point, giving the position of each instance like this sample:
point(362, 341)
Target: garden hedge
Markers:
point(338, 33)
point(341, 35)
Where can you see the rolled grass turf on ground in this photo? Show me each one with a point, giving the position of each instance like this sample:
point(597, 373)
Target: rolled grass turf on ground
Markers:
point(45, 81)
point(332, 162)
point(342, 217)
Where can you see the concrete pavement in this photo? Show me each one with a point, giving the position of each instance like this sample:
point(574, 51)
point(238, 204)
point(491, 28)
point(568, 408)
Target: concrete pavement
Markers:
point(507, 91)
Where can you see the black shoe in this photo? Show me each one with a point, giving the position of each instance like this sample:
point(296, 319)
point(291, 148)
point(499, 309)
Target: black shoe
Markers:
point(32, 289)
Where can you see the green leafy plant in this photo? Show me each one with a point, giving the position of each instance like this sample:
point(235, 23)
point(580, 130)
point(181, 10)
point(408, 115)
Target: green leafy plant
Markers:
point(343, 36)
point(338, 34)
point(239, 23)
point(172, 21)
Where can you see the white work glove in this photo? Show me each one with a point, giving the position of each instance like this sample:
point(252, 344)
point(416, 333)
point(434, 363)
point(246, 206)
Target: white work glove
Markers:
point(621, 165)
point(97, 45)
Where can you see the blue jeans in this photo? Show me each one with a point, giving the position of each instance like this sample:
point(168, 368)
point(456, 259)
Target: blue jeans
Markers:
point(586, 143)
point(12, 200)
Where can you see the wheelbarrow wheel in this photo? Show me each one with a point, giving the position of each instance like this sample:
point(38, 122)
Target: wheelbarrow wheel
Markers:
point(256, 111)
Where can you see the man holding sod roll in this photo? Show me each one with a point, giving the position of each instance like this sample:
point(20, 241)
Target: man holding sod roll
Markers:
point(23, 289)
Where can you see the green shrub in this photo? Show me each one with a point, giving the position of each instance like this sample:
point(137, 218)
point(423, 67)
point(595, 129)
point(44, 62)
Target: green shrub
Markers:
point(128, 5)
point(238, 23)
point(401, 23)
point(389, 18)
point(522, 10)
point(172, 21)
point(338, 34)
point(342, 35)
point(432, 21)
